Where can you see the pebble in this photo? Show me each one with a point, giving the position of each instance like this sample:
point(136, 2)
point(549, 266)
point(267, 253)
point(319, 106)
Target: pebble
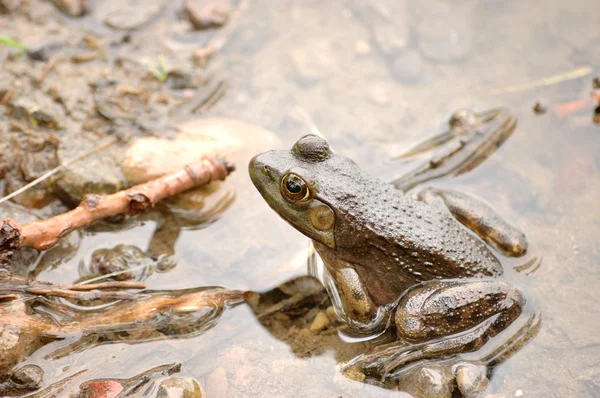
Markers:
point(127, 15)
point(148, 158)
point(179, 387)
point(73, 8)
point(321, 322)
point(204, 14)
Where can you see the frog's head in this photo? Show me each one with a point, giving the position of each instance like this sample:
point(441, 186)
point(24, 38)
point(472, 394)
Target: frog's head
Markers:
point(292, 181)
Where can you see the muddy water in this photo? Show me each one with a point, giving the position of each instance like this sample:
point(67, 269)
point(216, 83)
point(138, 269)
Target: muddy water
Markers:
point(374, 77)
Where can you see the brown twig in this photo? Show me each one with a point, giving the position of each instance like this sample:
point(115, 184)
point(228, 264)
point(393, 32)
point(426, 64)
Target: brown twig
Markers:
point(49, 66)
point(17, 285)
point(44, 234)
point(567, 109)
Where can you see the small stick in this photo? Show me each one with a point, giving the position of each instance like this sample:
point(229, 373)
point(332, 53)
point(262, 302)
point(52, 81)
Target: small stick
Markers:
point(44, 234)
point(81, 295)
point(568, 108)
point(47, 69)
point(548, 81)
point(108, 285)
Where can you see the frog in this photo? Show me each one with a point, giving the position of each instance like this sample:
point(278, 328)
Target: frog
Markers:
point(422, 263)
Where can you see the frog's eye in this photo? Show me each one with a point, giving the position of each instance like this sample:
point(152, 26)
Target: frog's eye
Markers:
point(294, 188)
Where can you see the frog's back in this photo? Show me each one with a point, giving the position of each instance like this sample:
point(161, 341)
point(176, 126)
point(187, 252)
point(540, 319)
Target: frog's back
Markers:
point(420, 241)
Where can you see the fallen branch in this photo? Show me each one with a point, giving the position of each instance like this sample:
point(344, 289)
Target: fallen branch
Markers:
point(9, 285)
point(44, 234)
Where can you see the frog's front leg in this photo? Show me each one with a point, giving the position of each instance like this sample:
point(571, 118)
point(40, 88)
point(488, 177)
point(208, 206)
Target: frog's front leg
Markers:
point(479, 218)
point(442, 318)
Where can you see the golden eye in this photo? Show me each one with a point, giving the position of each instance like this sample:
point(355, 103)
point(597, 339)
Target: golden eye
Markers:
point(294, 188)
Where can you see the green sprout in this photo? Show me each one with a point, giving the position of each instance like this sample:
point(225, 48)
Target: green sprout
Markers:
point(7, 41)
point(160, 72)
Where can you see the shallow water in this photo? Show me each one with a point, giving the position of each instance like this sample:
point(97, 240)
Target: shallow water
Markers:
point(373, 78)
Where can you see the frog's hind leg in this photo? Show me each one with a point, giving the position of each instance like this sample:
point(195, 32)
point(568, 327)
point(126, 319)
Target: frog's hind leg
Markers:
point(481, 219)
point(443, 318)
point(471, 139)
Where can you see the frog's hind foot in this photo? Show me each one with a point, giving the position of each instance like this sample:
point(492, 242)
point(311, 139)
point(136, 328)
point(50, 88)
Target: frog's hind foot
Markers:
point(471, 138)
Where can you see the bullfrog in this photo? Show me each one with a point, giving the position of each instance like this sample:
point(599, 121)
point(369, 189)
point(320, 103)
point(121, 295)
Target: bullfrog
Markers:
point(424, 263)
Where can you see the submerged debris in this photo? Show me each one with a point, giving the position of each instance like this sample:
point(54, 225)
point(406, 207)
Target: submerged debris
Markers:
point(539, 109)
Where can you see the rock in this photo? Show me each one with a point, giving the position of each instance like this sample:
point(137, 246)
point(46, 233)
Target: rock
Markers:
point(204, 14)
point(428, 381)
point(100, 389)
point(76, 97)
point(471, 379)
point(217, 384)
point(39, 109)
point(128, 15)
point(321, 322)
point(179, 387)
point(27, 378)
point(7, 6)
point(149, 158)
point(73, 8)
point(98, 173)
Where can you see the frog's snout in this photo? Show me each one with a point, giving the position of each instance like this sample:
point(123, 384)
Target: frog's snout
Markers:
point(260, 172)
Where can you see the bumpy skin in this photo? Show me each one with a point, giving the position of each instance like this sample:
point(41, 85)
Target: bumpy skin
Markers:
point(382, 247)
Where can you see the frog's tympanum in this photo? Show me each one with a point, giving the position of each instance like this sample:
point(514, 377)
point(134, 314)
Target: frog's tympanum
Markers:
point(390, 254)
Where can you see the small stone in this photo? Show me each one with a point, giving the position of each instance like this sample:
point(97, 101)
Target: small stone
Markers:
point(76, 97)
point(320, 322)
point(128, 15)
point(179, 387)
point(73, 8)
point(471, 379)
point(39, 109)
point(331, 313)
point(539, 109)
point(237, 141)
point(100, 389)
point(217, 384)
point(96, 174)
point(201, 56)
point(28, 377)
point(204, 14)
point(519, 393)
point(7, 6)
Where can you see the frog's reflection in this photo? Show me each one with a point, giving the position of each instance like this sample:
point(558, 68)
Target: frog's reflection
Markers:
point(300, 313)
